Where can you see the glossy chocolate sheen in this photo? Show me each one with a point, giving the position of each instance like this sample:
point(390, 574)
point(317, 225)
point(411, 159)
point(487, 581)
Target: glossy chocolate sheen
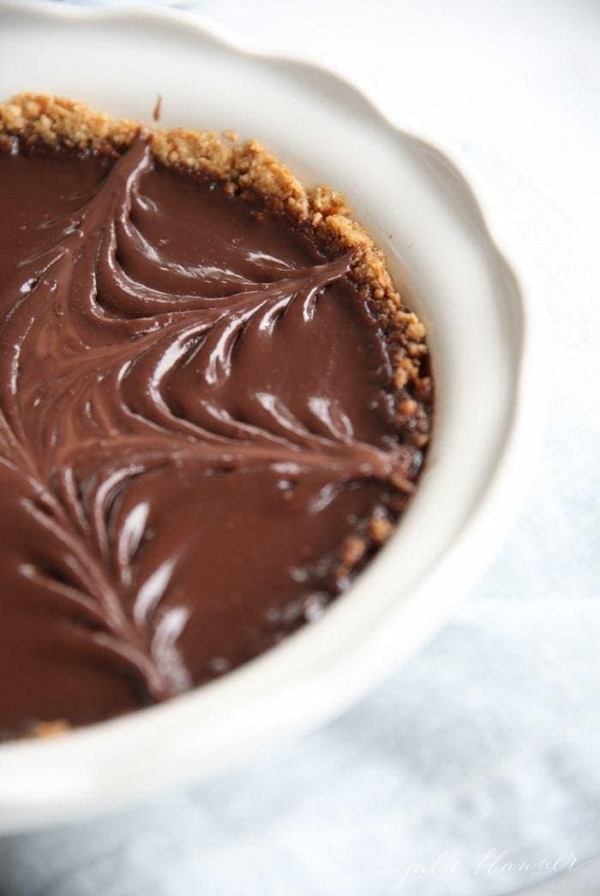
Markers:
point(196, 413)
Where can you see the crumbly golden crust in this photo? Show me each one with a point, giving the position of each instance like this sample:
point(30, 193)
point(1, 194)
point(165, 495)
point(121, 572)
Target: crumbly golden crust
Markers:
point(55, 728)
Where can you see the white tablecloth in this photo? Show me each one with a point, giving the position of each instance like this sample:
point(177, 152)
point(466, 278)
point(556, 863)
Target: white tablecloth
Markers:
point(474, 770)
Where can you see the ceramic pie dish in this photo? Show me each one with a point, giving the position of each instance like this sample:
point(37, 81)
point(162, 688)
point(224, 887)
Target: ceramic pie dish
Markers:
point(443, 254)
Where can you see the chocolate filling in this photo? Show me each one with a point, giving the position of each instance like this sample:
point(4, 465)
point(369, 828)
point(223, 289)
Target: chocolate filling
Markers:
point(198, 428)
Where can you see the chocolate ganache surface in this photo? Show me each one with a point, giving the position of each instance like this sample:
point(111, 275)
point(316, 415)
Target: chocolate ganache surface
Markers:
point(198, 427)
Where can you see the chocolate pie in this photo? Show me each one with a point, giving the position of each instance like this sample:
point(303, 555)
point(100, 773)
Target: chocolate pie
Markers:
point(214, 408)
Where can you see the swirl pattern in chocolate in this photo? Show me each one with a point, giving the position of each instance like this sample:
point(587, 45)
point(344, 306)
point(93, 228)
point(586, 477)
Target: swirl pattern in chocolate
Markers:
point(199, 431)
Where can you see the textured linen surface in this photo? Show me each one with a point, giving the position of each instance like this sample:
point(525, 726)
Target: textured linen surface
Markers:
point(473, 770)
